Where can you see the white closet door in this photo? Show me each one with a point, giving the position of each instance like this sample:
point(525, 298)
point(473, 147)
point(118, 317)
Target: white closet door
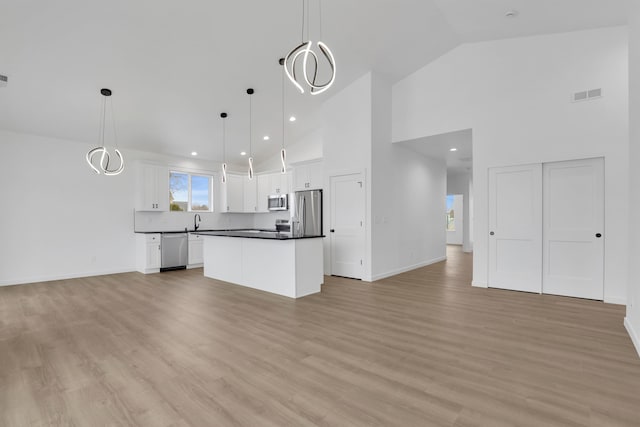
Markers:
point(347, 238)
point(515, 228)
point(573, 254)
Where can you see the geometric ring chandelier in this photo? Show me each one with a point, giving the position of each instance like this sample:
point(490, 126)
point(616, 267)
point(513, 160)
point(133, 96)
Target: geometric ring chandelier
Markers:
point(105, 158)
point(304, 52)
point(303, 56)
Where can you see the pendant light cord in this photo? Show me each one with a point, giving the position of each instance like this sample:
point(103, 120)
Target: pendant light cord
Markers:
point(103, 102)
point(320, 18)
point(113, 119)
point(224, 139)
point(283, 104)
point(250, 128)
point(302, 29)
point(103, 122)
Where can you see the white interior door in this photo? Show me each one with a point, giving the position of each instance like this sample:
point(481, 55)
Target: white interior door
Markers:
point(515, 228)
point(347, 225)
point(573, 249)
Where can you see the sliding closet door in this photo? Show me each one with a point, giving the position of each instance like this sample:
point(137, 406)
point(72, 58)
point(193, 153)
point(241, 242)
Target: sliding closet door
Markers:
point(573, 236)
point(515, 228)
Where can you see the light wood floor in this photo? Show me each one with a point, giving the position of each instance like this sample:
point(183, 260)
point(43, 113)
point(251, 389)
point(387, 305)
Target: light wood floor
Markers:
point(419, 349)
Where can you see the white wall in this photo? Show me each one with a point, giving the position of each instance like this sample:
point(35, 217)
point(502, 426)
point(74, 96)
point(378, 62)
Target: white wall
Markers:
point(61, 220)
point(515, 95)
point(347, 149)
point(407, 221)
point(455, 236)
point(632, 321)
point(404, 228)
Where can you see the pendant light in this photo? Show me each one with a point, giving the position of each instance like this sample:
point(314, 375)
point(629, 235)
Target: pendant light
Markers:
point(103, 164)
point(304, 50)
point(224, 147)
point(283, 152)
point(250, 172)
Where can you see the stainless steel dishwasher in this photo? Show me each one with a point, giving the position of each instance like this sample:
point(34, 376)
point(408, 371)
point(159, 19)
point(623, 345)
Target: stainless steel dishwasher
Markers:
point(174, 251)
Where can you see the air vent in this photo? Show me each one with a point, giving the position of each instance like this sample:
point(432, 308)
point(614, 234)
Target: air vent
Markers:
point(3, 80)
point(587, 95)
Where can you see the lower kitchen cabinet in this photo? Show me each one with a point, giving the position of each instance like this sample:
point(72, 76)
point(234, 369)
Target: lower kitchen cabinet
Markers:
point(195, 251)
point(148, 253)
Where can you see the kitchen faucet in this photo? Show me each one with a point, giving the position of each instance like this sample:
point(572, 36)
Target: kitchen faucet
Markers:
point(196, 222)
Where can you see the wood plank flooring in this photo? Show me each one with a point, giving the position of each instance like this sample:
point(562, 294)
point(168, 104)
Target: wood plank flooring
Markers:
point(422, 348)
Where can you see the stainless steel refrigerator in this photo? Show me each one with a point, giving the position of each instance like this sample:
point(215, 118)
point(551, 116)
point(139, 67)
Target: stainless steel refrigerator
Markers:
point(306, 213)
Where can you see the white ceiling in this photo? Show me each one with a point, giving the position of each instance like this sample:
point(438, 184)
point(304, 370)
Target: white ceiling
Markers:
point(439, 147)
point(478, 20)
point(174, 66)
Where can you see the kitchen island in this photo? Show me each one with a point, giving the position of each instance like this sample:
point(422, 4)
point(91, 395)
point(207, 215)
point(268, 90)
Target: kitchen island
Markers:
point(265, 260)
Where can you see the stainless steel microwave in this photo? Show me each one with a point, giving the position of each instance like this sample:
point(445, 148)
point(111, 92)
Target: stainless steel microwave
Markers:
point(278, 202)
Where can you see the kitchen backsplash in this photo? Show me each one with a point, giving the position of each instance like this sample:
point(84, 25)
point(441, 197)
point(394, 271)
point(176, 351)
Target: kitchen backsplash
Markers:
point(177, 221)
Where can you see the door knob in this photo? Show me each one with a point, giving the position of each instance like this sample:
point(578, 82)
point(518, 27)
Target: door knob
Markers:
point(332, 230)
point(598, 235)
point(492, 233)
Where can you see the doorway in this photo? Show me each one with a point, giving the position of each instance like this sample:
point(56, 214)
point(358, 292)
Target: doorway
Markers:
point(346, 233)
point(455, 219)
point(546, 228)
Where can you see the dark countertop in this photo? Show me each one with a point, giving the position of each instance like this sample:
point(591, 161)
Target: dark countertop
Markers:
point(243, 232)
point(186, 231)
point(254, 234)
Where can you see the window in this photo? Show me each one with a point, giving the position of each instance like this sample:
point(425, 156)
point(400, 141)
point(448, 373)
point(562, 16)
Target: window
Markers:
point(200, 193)
point(451, 218)
point(190, 192)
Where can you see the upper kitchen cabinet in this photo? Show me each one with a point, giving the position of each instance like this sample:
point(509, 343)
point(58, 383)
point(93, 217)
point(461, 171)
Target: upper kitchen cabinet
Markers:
point(308, 176)
point(280, 183)
point(152, 188)
point(263, 184)
point(269, 184)
point(232, 194)
point(249, 191)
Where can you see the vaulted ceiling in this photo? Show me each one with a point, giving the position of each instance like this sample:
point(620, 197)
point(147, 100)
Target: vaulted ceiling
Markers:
point(174, 66)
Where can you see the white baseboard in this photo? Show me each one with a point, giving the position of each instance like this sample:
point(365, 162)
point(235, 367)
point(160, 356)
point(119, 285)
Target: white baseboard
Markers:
point(632, 333)
point(616, 300)
point(479, 284)
point(407, 268)
point(38, 279)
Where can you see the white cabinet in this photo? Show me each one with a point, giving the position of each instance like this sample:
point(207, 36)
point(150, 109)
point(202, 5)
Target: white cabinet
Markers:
point(240, 194)
point(263, 183)
point(271, 183)
point(232, 194)
point(152, 188)
point(249, 191)
point(195, 251)
point(148, 254)
point(280, 183)
point(308, 176)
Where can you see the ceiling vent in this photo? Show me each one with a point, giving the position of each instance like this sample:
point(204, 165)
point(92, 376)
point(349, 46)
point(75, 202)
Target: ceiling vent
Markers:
point(587, 95)
point(3, 80)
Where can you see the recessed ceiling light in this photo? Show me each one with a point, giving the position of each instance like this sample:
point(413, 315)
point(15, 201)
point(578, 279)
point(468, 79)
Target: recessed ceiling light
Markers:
point(453, 149)
point(292, 119)
point(266, 137)
point(243, 153)
point(511, 13)
point(194, 153)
